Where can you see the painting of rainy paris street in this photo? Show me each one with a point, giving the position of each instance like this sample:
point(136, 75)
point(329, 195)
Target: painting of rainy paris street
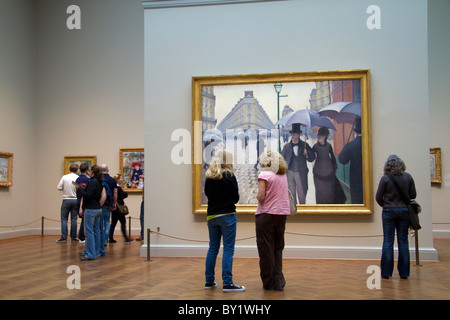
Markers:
point(248, 119)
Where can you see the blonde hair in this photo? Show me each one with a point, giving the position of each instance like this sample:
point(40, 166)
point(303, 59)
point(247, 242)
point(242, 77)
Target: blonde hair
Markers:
point(273, 161)
point(221, 163)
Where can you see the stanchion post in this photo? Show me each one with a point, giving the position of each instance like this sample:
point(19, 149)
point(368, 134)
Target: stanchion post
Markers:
point(42, 226)
point(148, 245)
point(129, 226)
point(416, 239)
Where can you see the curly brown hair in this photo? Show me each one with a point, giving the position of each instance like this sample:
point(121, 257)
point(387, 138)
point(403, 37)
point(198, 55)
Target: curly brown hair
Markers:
point(394, 165)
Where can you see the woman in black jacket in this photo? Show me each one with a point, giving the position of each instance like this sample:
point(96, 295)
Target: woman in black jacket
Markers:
point(395, 216)
point(116, 215)
point(222, 191)
point(91, 207)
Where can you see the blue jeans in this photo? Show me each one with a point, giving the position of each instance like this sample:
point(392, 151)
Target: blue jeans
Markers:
point(395, 219)
point(69, 206)
point(223, 226)
point(105, 225)
point(92, 233)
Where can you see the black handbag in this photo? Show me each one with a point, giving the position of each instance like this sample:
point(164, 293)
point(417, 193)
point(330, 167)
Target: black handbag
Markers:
point(413, 207)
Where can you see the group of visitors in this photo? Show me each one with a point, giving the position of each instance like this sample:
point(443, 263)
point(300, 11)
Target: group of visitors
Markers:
point(222, 191)
point(94, 196)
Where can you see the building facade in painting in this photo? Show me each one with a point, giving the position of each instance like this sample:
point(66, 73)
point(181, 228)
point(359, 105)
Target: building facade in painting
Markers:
point(246, 114)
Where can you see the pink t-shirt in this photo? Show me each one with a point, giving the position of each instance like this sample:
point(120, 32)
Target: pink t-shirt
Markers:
point(277, 195)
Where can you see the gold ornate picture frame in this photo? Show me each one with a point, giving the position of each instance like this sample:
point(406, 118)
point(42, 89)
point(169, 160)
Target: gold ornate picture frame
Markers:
point(6, 169)
point(435, 165)
point(131, 166)
point(89, 160)
point(241, 110)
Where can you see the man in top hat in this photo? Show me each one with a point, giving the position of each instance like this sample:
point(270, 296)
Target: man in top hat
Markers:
point(352, 153)
point(296, 153)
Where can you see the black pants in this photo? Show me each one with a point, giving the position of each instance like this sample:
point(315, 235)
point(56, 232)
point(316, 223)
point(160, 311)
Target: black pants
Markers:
point(270, 241)
point(116, 216)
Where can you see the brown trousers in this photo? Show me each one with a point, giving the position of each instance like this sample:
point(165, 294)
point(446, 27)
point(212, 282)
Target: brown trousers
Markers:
point(270, 241)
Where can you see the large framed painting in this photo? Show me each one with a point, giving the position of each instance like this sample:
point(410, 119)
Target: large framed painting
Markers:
point(6, 169)
point(132, 168)
point(69, 160)
point(319, 121)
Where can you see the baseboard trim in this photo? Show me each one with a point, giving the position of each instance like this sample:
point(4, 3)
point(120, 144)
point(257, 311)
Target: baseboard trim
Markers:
point(441, 234)
point(302, 252)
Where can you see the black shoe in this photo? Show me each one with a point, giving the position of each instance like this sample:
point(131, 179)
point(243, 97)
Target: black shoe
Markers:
point(112, 241)
point(233, 288)
point(210, 285)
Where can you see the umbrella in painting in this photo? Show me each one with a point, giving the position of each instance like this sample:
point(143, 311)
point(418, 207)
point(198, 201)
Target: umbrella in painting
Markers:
point(306, 117)
point(342, 112)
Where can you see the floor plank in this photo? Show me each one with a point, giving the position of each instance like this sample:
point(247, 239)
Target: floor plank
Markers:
point(36, 268)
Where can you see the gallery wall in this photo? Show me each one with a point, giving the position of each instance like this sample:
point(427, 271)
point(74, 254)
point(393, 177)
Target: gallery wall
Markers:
point(52, 79)
point(90, 91)
point(286, 36)
point(17, 110)
point(66, 93)
point(439, 83)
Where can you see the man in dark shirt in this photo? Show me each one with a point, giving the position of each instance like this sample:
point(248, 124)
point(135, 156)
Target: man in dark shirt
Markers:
point(107, 208)
point(82, 181)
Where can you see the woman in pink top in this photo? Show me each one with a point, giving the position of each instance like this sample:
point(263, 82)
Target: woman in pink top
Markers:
point(273, 208)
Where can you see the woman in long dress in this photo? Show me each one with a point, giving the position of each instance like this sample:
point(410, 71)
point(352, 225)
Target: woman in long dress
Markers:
point(324, 171)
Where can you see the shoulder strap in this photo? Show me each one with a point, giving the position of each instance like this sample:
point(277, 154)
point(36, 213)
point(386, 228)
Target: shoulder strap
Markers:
point(404, 197)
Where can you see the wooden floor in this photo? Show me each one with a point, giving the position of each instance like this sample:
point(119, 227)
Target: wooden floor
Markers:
point(36, 268)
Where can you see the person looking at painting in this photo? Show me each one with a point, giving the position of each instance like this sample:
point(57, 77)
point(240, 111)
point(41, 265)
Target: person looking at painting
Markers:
point(270, 219)
point(222, 191)
point(395, 216)
point(327, 186)
point(82, 182)
point(352, 153)
point(296, 153)
point(93, 197)
point(116, 215)
point(69, 204)
point(108, 207)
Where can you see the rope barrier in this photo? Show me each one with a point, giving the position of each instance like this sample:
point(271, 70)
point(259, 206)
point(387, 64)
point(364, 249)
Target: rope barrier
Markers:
point(21, 225)
point(412, 233)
